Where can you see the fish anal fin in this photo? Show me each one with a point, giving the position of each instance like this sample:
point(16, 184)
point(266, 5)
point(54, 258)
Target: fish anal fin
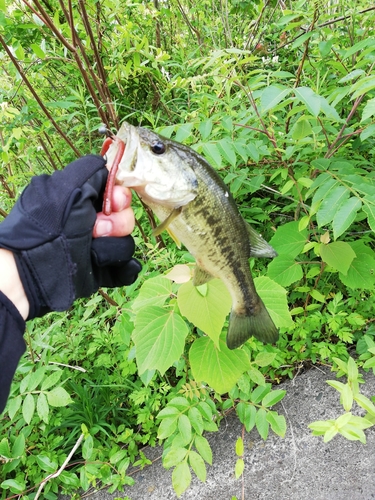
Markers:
point(259, 246)
point(164, 225)
point(243, 326)
point(201, 276)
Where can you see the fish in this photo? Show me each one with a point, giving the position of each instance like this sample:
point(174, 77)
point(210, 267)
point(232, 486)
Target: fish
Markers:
point(196, 207)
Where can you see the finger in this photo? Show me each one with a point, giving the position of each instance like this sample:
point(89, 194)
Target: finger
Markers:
point(121, 198)
point(117, 224)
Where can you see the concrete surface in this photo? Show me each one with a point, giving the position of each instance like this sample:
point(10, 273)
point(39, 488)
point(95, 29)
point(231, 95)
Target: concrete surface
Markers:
point(300, 466)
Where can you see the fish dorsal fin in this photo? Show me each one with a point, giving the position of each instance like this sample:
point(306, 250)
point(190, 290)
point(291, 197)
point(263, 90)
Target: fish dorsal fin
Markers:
point(201, 276)
point(258, 246)
point(164, 225)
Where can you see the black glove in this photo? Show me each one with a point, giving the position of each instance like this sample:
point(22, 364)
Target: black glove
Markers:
point(49, 230)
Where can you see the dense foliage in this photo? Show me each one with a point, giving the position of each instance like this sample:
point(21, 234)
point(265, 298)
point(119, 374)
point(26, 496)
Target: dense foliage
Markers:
point(280, 98)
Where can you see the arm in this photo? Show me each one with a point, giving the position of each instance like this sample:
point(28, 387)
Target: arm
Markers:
point(22, 274)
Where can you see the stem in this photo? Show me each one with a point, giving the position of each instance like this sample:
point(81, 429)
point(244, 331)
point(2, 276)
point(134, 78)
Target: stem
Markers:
point(37, 98)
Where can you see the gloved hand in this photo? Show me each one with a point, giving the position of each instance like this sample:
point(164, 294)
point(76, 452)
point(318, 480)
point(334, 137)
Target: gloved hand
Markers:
point(49, 230)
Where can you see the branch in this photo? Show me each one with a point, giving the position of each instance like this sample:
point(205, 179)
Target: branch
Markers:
point(37, 98)
point(56, 474)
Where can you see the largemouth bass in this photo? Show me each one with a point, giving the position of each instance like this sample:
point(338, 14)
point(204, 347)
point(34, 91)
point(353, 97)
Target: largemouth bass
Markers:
point(196, 207)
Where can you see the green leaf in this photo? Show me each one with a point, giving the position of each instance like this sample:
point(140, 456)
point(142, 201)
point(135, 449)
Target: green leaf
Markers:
point(273, 397)
point(88, 447)
point(256, 376)
point(184, 427)
point(42, 407)
point(174, 457)
point(330, 204)
point(218, 366)
point(259, 392)
point(277, 423)
point(46, 464)
point(367, 132)
point(196, 420)
point(365, 403)
point(28, 408)
point(212, 153)
point(345, 215)
point(264, 358)
point(271, 96)
point(167, 427)
point(51, 380)
point(5, 450)
point(205, 129)
point(239, 447)
point(309, 98)
point(198, 465)
point(361, 273)
point(288, 240)
point(181, 478)
point(159, 337)
point(239, 467)
point(369, 110)
point(227, 151)
point(15, 485)
point(14, 405)
point(246, 413)
point(347, 397)
point(338, 255)
point(262, 423)
point(369, 209)
point(284, 270)
point(207, 312)
point(38, 51)
point(58, 397)
point(274, 298)
point(18, 448)
point(183, 131)
point(204, 448)
point(301, 129)
point(153, 292)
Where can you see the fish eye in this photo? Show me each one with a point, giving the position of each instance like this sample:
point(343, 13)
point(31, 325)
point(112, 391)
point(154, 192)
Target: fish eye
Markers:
point(158, 148)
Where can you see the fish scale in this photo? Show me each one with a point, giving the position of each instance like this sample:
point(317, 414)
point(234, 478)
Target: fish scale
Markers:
point(195, 206)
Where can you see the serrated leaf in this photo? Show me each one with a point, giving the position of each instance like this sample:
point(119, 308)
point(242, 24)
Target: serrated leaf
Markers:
point(167, 427)
point(284, 270)
point(212, 153)
point(198, 465)
point(196, 420)
point(219, 367)
point(184, 427)
point(153, 292)
point(14, 405)
point(367, 132)
point(345, 215)
point(181, 478)
point(28, 408)
point(369, 209)
point(271, 96)
point(174, 457)
point(338, 255)
point(159, 337)
point(274, 298)
point(361, 273)
point(262, 423)
point(205, 129)
point(331, 203)
point(42, 407)
point(207, 312)
point(51, 380)
point(288, 240)
point(58, 397)
point(204, 448)
point(369, 110)
point(183, 131)
point(227, 151)
point(35, 378)
point(309, 98)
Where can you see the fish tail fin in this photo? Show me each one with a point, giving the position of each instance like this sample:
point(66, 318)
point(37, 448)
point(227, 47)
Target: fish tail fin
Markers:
point(243, 326)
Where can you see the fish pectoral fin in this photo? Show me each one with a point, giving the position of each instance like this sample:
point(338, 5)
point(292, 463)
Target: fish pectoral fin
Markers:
point(174, 237)
point(259, 246)
point(201, 276)
point(163, 225)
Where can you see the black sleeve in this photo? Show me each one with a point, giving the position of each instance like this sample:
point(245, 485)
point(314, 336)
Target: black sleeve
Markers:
point(12, 345)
